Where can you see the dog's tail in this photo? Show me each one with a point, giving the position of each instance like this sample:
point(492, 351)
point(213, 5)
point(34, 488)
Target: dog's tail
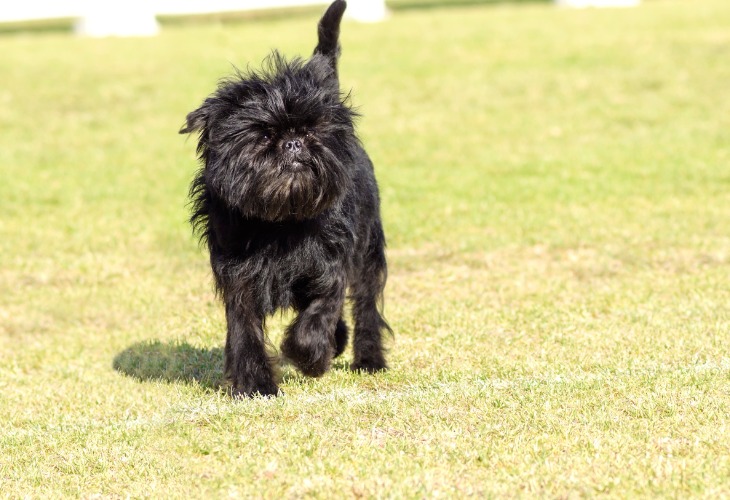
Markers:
point(329, 32)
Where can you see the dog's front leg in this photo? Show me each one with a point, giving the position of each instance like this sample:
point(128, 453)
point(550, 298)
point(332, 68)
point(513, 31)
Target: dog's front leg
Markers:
point(309, 342)
point(247, 365)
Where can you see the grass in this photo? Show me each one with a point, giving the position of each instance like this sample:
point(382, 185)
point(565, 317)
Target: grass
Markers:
point(556, 196)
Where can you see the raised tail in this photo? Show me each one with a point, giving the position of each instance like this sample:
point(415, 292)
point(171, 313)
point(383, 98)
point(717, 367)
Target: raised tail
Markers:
point(328, 31)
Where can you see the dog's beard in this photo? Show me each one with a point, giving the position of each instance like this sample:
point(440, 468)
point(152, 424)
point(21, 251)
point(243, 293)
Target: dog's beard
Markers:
point(278, 187)
point(276, 145)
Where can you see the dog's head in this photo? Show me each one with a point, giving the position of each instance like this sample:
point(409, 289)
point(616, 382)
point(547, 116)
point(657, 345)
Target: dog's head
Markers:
point(276, 143)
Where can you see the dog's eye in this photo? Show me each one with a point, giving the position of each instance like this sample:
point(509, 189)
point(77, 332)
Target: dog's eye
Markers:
point(266, 136)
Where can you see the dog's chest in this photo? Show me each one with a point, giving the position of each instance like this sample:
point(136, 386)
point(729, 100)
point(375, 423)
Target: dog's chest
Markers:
point(292, 264)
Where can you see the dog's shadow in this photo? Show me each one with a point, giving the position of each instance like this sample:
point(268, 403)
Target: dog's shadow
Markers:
point(180, 362)
point(173, 362)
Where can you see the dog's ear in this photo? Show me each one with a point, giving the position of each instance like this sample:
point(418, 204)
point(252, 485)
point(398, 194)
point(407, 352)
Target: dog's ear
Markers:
point(196, 120)
point(328, 32)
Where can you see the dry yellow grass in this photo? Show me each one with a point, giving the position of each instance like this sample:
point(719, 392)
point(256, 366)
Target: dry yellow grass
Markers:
point(555, 192)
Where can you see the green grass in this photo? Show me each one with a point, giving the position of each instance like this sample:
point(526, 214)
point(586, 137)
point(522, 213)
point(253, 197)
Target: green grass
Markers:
point(556, 194)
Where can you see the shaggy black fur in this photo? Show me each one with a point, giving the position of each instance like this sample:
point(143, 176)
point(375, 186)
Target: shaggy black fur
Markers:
point(287, 203)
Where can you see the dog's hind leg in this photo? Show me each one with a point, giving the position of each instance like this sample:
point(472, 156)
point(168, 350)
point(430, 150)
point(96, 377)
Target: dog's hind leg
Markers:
point(367, 294)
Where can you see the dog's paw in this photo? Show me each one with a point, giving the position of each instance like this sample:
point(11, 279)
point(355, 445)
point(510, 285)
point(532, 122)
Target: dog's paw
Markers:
point(312, 359)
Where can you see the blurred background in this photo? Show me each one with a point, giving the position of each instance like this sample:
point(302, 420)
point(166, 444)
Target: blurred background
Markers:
point(555, 191)
point(139, 18)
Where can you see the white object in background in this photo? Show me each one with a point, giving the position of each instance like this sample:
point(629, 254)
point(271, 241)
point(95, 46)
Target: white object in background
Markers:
point(366, 11)
point(581, 4)
point(117, 18)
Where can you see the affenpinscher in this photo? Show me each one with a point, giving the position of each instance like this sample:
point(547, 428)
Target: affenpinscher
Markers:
point(287, 203)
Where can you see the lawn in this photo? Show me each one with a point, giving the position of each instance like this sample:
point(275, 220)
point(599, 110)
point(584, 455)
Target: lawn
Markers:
point(556, 197)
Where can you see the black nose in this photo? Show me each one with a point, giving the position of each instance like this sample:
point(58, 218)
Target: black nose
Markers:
point(293, 146)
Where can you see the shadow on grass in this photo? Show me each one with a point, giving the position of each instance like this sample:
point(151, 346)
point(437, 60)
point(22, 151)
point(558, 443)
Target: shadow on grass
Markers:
point(180, 362)
point(174, 362)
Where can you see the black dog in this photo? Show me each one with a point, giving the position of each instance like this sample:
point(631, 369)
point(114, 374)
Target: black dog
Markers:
point(287, 203)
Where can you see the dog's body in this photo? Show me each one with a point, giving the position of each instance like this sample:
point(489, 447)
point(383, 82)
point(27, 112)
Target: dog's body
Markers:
point(288, 205)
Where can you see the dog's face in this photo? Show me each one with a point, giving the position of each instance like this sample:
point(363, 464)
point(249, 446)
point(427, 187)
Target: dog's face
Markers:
point(276, 144)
